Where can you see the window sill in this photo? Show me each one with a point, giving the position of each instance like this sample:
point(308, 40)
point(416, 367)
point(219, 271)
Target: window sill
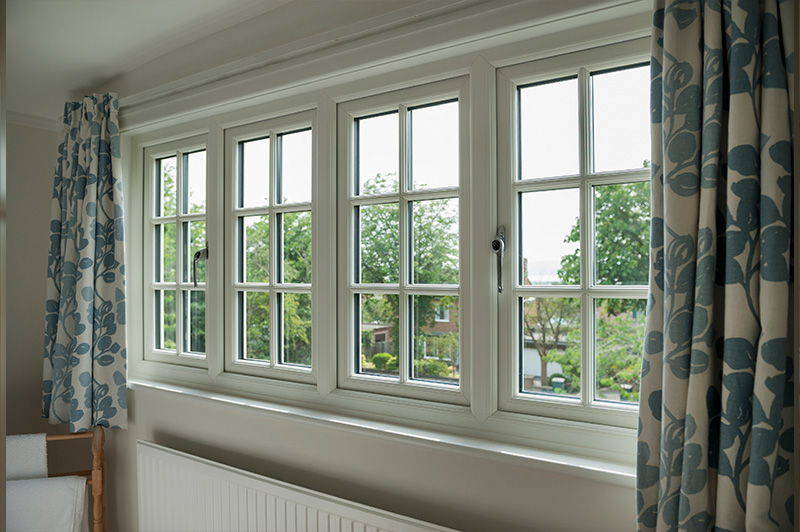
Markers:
point(622, 475)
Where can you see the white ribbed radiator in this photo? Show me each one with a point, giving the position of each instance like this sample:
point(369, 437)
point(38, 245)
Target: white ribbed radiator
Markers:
point(181, 493)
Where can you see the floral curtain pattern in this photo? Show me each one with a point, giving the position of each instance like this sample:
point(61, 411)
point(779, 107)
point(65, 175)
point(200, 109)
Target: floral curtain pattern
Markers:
point(85, 366)
point(716, 417)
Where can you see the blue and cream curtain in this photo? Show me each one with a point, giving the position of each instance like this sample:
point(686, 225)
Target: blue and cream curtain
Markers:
point(716, 415)
point(85, 366)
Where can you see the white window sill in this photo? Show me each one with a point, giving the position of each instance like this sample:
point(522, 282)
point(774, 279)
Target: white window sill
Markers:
point(552, 462)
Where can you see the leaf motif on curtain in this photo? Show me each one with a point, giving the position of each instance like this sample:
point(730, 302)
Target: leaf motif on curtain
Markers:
point(716, 430)
point(85, 366)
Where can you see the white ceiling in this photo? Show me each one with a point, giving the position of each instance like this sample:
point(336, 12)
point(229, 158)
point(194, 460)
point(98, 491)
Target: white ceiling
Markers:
point(58, 50)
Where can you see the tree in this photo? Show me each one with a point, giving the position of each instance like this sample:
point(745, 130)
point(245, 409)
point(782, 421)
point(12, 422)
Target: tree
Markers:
point(435, 261)
point(548, 322)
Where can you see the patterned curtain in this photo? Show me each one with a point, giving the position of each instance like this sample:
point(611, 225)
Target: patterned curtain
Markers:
point(85, 368)
point(716, 417)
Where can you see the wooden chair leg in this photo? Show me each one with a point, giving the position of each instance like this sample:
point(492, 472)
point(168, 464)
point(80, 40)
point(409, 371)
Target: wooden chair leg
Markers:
point(98, 480)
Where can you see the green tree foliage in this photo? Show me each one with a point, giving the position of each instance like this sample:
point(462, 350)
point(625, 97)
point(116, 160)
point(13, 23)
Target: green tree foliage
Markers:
point(435, 230)
point(622, 226)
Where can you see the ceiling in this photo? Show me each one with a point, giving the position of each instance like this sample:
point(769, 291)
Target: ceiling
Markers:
point(58, 50)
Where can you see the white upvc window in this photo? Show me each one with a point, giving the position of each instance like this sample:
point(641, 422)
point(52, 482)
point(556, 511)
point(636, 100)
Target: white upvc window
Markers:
point(401, 156)
point(175, 207)
point(269, 177)
point(574, 196)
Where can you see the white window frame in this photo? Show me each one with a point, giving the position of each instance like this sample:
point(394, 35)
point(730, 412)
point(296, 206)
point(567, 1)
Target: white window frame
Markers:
point(401, 101)
point(579, 64)
point(477, 415)
point(152, 154)
point(271, 128)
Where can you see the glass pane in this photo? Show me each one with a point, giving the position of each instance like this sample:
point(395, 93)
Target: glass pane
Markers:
point(619, 330)
point(166, 203)
point(165, 320)
point(434, 146)
point(254, 249)
point(621, 119)
point(194, 321)
point(549, 129)
point(295, 167)
point(378, 318)
point(379, 230)
point(436, 345)
point(194, 237)
point(194, 200)
point(166, 250)
point(550, 237)
point(378, 141)
point(254, 168)
point(254, 325)
point(296, 227)
point(296, 329)
point(435, 230)
point(551, 345)
point(622, 233)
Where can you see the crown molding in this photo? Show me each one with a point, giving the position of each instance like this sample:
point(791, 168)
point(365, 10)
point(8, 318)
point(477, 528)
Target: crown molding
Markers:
point(39, 122)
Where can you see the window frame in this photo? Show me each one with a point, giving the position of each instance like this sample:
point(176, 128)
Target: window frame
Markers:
point(271, 128)
point(581, 64)
point(402, 100)
point(178, 149)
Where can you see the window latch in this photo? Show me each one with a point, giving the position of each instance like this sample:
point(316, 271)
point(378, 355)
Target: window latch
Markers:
point(499, 248)
point(198, 256)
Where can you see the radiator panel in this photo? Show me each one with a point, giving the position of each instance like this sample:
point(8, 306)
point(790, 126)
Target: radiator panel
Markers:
point(179, 492)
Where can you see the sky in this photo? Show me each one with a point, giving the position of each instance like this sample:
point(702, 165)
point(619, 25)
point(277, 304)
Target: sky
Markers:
point(549, 140)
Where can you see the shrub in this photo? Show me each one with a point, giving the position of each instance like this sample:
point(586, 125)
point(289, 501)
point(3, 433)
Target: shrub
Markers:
point(431, 368)
point(380, 360)
point(393, 364)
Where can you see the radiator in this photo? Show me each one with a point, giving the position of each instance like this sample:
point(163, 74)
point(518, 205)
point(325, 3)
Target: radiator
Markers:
point(184, 493)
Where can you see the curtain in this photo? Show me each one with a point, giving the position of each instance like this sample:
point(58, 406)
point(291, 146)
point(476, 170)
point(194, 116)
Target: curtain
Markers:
point(85, 368)
point(716, 415)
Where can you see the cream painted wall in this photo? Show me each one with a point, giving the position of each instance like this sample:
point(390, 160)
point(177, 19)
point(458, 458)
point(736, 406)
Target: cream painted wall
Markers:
point(31, 160)
point(445, 487)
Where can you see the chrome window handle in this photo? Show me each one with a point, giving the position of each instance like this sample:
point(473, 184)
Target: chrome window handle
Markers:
point(198, 256)
point(499, 248)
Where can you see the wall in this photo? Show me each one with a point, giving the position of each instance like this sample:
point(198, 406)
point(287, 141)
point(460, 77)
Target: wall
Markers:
point(447, 487)
point(31, 161)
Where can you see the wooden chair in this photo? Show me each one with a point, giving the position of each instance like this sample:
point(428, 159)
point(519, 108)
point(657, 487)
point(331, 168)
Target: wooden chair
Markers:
point(96, 475)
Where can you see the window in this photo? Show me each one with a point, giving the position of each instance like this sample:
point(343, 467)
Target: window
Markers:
point(176, 207)
point(402, 153)
point(350, 266)
point(269, 264)
point(578, 195)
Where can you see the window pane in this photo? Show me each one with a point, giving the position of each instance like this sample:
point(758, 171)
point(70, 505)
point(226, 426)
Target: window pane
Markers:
point(165, 320)
point(548, 125)
point(296, 241)
point(194, 190)
point(194, 321)
point(254, 168)
point(296, 330)
point(378, 141)
point(435, 344)
point(194, 237)
point(378, 331)
point(254, 249)
point(254, 325)
point(550, 237)
point(379, 251)
point(166, 200)
point(434, 145)
point(621, 119)
point(619, 329)
point(166, 250)
point(435, 230)
point(295, 167)
point(551, 345)
point(622, 229)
